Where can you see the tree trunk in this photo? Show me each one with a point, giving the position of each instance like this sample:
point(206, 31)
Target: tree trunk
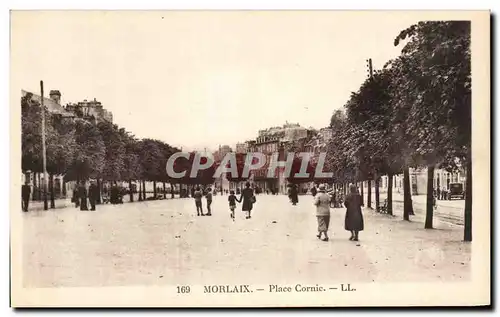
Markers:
point(468, 201)
point(154, 190)
point(131, 192)
point(429, 213)
point(99, 185)
point(40, 187)
point(140, 190)
point(64, 187)
point(51, 187)
point(362, 194)
point(408, 206)
point(172, 190)
point(377, 193)
point(389, 194)
point(164, 191)
point(369, 200)
point(144, 190)
point(34, 194)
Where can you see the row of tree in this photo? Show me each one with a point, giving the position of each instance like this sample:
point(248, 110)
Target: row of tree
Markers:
point(415, 112)
point(82, 150)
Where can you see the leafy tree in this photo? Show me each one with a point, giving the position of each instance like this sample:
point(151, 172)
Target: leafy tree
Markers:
point(89, 158)
point(114, 143)
point(439, 118)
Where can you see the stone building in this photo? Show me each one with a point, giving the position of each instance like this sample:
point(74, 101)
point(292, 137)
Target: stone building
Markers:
point(90, 110)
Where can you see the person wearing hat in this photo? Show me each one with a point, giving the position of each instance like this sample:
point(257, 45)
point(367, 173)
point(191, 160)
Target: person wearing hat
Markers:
point(353, 216)
point(322, 203)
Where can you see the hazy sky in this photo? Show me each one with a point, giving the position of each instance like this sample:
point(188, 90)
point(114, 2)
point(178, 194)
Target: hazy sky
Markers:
point(197, 79)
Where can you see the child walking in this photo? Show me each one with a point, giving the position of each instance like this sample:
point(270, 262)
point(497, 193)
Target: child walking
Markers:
point(197, 195)
point(208, 196)
point(232, 203)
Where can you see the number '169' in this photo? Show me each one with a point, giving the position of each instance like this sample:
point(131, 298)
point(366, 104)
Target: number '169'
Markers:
point(183, 289)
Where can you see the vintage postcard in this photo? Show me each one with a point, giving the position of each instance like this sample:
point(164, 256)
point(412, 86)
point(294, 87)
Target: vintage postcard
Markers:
point(250, 158)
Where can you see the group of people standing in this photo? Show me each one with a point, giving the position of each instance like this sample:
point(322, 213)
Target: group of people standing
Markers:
point(81, 194)
point(198, 194)
point(353, 221)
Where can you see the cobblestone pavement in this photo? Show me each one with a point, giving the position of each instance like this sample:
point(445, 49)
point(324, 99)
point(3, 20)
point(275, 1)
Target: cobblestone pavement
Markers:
point(164, 242)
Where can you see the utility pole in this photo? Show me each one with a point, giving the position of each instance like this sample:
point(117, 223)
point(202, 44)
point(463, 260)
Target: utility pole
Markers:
point(44, 152)
point(370, 67)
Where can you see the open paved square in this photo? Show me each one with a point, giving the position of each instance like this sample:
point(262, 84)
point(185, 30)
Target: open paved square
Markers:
point(164, 242)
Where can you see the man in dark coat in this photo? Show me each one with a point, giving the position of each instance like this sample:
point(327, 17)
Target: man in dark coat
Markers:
point(93, 194)
point(294, 194)
point(113, 199)
point(82, 193)
point(314, 191)
point(26, 192)
point(76, 197)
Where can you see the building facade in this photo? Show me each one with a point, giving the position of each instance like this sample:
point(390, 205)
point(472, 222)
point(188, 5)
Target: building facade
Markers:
point(90, 110)
point(418, 181)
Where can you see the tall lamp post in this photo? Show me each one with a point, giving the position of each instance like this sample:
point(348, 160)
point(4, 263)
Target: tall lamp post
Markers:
point(44, 153)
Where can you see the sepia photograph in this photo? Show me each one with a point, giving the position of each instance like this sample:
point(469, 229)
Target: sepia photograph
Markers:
point(250, 158)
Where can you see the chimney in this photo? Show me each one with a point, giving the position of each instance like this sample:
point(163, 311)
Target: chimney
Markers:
point(56, 96)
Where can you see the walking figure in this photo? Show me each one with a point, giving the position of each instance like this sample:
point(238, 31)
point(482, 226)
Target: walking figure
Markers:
point(322, 203)
point(248, 199)
point(314, 191)
point(353, 216)
point(208, 196)
point(232, 202)
point(26, 192)
point(197, 195)
point(93, 194)
point(82, 194)
point(76, 197)
point(294, 195)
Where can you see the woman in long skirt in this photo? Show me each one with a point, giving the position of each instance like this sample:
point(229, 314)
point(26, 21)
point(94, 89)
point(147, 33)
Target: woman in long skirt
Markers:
point(248, 199)
point(322, 202)
point(353, 216)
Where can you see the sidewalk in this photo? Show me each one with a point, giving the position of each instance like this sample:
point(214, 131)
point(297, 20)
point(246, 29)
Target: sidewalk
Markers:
point(66, 202)
point(451, 211)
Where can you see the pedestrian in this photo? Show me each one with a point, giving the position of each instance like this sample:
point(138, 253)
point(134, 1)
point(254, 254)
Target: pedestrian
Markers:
point(353, 216)
point(322, 203)
point(340, 199)
point(114, 193)
point(294, 194)
point(76, 197)
point(314, 191)
point(334, 199)
point(232, 202)
point(198, 195)
point(438, 191)
point(25, 194)
point(82, 194)
point(93, 195)
point(208, 196)
point(248, 199)
point(192, 191)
